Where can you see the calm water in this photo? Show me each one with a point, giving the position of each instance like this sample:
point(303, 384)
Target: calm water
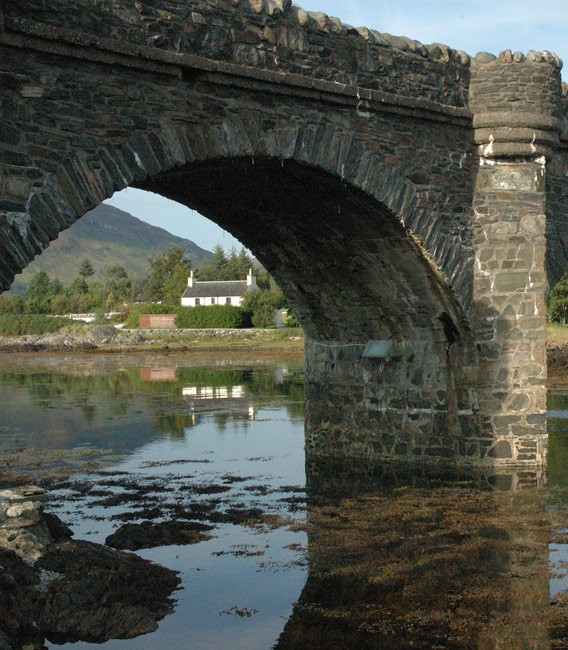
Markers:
point(370, 559)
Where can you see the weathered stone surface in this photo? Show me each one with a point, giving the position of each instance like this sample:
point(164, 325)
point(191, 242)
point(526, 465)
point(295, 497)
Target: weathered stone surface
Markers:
point(502, 449)
point(484, 57)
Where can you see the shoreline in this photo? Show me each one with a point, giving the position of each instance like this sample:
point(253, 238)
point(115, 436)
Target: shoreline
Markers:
point(276, 343)
point(104, 339)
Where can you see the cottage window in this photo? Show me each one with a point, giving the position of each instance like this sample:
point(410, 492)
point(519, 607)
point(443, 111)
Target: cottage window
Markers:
point(197, 301)
point(212, 301)
point(228, 301)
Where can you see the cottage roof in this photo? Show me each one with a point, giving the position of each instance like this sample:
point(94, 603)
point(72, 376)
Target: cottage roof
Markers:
point(216, 289)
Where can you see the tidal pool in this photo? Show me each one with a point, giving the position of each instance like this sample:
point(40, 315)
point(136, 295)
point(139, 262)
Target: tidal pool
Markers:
point(359, 557)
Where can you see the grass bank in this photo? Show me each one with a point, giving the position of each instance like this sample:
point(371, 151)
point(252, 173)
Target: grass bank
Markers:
point(556, 333)
point(286, 339)
point(103, 338)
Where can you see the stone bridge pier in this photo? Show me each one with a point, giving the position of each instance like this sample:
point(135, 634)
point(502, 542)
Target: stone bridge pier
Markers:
point(410, 200)
point(470, 392)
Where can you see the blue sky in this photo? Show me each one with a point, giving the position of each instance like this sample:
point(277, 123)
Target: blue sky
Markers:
point(472, 26)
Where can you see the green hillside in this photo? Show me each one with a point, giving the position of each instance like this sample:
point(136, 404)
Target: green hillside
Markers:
point(107, 236)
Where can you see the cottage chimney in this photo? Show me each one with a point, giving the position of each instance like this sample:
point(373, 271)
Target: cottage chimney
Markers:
point(251, 280)
point(190, 279)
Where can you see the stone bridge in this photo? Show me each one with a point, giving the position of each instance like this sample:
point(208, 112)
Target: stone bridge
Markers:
point(408, 199)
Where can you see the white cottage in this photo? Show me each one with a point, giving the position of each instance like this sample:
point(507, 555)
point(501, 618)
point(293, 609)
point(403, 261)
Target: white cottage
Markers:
point(227, 292)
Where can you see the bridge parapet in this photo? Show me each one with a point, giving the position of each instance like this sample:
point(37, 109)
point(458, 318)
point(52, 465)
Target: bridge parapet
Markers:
point(268, 34)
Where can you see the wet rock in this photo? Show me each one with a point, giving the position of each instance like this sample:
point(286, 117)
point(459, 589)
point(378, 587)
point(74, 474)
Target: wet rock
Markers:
point(148, 534)
point(99, 593)
point(58, 530)
point(239, 516)
point(65, 590)
point(80, 591)
point(20, 601)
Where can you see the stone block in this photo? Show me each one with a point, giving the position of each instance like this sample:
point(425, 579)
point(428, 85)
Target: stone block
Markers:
point(501, 450)
point(511, 281)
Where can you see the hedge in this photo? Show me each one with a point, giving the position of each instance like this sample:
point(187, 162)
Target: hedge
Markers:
point(212, 316)
point(15, 324)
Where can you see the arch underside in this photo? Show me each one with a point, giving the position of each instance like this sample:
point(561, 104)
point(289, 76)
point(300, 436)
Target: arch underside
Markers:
point(346, 263)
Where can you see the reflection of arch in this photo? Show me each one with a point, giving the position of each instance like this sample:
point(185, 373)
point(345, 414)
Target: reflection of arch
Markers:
point(434, 562)
point(315, 206)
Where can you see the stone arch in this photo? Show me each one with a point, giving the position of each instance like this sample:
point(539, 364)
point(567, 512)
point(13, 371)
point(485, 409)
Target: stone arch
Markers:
point(376, 250)
point(332, 222)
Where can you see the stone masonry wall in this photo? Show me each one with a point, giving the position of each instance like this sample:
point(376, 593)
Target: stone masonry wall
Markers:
point(73, 133)
point(271, 34)
point(416, 403)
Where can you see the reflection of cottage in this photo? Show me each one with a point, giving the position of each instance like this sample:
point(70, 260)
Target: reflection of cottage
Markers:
point(232, 399)
point(228, 292)
point(214, 392)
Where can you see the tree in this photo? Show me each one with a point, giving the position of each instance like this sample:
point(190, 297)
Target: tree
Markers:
point(86, 269)
point(61, 303)
point(79, 286)
point(220, 266)
point(245, 262)
point(558, 301)
point(38, 293)
point(214, 268)
point(118, 286)
point(232, 269)
point(12, 305)
point(56, 287)
point(168, 276)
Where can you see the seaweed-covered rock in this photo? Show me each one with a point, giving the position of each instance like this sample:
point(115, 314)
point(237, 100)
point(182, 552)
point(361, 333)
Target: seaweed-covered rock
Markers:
point(148, 534)
point(96, 593)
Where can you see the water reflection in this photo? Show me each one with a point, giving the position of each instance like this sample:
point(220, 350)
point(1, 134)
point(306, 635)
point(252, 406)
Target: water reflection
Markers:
point(359, 557)
point(399, 560)
point(50, 405)
point(158, 374)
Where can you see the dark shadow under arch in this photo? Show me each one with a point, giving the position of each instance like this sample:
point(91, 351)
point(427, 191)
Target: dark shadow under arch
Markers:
point(347, 263)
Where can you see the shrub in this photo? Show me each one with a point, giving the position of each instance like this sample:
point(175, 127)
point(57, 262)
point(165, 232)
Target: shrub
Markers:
point(558, 301)
point(262, 305)
point(16, 324)
point(100, 316)
point(212, 316)
point(291, 320)
point(263, 316)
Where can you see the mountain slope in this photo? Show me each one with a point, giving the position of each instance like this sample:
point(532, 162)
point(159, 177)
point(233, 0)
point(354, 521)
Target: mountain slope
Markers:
point(107, 236)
